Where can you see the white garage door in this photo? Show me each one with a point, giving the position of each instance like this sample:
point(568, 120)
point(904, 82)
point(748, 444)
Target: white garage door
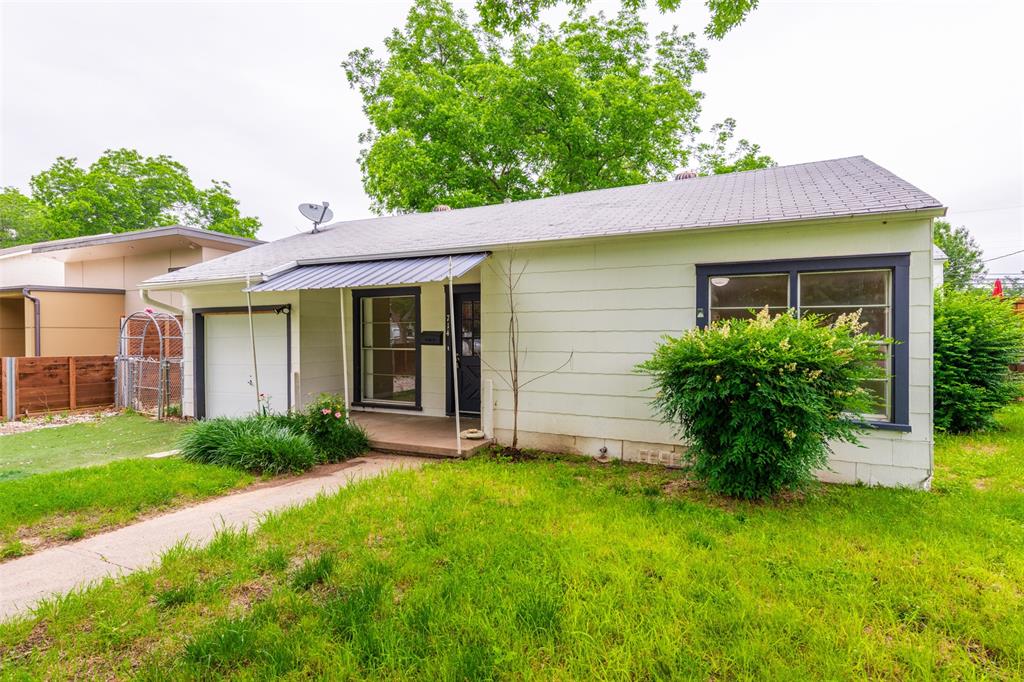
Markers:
point(228, 373)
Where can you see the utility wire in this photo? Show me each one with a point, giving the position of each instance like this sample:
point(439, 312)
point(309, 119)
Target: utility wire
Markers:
point(1005, 255)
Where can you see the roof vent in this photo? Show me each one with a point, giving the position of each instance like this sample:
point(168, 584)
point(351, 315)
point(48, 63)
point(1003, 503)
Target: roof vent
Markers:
point(686, 174)
point(441, 207)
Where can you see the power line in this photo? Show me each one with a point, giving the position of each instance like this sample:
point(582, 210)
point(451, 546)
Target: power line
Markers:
point(1005, 255)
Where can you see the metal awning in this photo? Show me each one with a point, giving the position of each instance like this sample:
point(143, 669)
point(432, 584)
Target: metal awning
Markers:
point(371, 273)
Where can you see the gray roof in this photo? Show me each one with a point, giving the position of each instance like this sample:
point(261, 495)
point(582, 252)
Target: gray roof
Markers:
point(148, 233)
point(372, 273)
point(851, 186)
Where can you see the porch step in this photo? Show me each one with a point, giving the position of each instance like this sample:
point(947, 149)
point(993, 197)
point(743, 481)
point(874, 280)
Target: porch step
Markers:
point(469, 448)
point(412, 434)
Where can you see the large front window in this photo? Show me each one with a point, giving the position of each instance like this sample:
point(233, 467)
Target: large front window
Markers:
point(388, 328)
point(829, 288)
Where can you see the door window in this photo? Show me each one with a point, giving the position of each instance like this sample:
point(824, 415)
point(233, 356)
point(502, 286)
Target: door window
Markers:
point(388, 348)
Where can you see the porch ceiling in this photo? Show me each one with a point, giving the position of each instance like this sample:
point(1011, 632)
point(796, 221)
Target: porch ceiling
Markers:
point(372, 273)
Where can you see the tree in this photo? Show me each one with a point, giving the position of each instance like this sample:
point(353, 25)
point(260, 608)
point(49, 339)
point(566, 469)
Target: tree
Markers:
point(24, 220)
point(965, 264)
point(715, 158)
point(512, 16)
point(124, 191)
point(458, 117)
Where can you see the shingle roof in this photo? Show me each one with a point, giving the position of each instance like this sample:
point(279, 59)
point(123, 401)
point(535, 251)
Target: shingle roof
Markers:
point(851, 186)
point(135, 235)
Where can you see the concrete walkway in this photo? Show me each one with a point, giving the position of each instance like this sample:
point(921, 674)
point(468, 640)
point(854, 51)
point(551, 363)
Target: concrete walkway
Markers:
point(25, 581)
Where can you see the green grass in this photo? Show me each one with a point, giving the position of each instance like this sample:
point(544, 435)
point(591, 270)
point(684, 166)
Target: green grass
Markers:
point(556, 569)
point(87, 444)
point(68, 505)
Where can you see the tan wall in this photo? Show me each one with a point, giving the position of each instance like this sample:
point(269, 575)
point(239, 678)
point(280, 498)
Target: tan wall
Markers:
point(127, 271)
point(12, 327)
point(75, 323)
point(31, 269)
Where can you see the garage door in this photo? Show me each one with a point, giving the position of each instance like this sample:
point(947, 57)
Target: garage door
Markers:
point(229, 380)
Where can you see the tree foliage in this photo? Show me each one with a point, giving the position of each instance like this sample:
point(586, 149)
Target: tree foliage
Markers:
point(512, 16)
point(965, 264)
point(461, 118)
point(122, 191)
point(977, 337)
point(716, 158)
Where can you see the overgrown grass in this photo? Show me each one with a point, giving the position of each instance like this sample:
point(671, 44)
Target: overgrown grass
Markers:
point(87, 444)
point(68, 505)
point(568, 570)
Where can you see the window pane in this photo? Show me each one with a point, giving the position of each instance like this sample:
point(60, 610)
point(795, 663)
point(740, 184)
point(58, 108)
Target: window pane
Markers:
point(854, 288)
point(389, 361)
point(749, 291)
point(877, 318)
point(879, 390)
point(396, 388)
point(740, 314)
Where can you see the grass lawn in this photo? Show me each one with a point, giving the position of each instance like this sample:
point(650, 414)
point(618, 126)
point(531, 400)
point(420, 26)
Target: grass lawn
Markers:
point(567, 570)
point(87, 444)
point(68, 505)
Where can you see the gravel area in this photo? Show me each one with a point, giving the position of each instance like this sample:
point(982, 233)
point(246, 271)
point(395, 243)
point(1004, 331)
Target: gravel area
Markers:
point(53, 420)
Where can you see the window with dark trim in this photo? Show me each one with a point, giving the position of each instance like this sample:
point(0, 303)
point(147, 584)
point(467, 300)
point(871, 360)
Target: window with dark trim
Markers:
point(877, 286)
point(387, 351)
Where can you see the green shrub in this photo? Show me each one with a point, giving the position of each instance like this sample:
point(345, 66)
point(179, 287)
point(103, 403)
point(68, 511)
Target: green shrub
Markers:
point(334, 435)
point(977, 336)
point(259, 444)
point(760, 399)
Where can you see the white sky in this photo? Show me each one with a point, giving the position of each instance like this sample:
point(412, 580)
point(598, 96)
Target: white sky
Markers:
point(254, 94)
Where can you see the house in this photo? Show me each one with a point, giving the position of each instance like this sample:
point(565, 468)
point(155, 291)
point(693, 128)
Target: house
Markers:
point(600, 277)
point(68, 296)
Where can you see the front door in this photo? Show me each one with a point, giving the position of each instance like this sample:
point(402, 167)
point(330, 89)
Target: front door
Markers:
point(467, 350)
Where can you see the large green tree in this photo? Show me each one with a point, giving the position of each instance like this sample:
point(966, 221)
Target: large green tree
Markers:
point(716, 157)
point(120, 192)
point(512, 16)
point(965, 264)
point(460, 117)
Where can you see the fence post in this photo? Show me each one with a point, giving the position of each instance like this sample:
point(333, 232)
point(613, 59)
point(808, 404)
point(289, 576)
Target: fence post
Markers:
point(11, 387)
point(72, 383)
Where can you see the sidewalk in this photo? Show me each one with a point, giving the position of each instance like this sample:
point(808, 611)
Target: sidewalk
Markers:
point(25, 581)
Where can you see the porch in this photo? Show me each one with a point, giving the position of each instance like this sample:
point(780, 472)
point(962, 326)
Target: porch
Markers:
point(414, 434)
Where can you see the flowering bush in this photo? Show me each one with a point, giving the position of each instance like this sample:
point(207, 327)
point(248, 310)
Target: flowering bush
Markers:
point(760, 399)
point(977, 337)
point(333, 434)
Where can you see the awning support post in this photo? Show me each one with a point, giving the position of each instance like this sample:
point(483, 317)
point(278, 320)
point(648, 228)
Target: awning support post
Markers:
point(344, 352)
point(455, 364)
point(252, 343)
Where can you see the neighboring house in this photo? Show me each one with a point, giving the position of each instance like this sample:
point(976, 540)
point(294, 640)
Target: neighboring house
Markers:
point(68, 296)
point(605, 274)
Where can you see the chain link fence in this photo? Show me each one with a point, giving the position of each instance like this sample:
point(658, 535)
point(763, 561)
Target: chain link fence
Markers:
point(149, 369)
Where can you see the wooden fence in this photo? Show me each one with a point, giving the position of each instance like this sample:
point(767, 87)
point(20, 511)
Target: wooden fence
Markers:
point(32, 385)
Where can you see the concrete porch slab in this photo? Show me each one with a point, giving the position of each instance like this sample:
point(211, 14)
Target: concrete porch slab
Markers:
point(414, 434)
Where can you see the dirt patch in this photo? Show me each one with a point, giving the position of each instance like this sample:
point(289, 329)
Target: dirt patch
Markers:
point(54, 420)
point(248, 593)
point(38, 639)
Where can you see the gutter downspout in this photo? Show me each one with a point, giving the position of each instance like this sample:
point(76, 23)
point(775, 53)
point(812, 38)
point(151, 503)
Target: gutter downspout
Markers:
point(149, 300)
point(36, 303)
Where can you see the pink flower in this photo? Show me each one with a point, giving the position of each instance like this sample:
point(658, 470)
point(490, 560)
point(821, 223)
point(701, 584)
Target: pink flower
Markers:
point(325, 411)
point(337, 415)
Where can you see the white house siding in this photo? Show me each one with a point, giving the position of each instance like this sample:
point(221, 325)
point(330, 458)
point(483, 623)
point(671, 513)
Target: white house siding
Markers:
point(319, 333)
point(607, 302)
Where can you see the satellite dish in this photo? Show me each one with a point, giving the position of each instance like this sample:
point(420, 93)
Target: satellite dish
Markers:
point(318, 213)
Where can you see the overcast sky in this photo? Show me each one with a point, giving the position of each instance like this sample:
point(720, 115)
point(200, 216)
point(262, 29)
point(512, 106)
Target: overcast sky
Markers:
point(254, 94)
